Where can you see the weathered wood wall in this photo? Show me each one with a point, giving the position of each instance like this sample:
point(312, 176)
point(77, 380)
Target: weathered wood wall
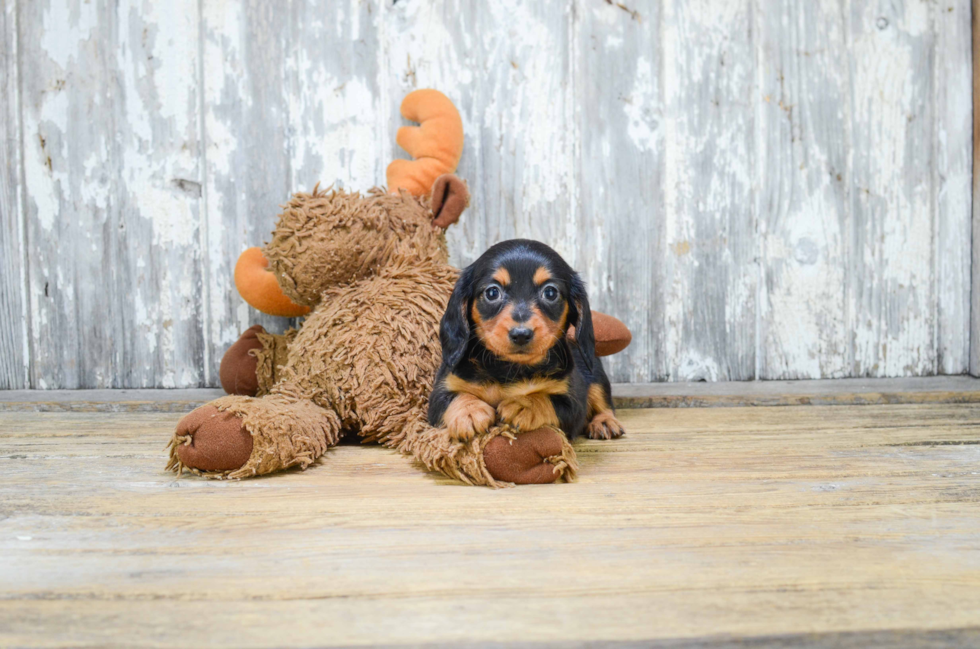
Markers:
point(760, 188)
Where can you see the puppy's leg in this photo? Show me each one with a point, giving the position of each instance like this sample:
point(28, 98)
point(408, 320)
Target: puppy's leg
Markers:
point(528, 411)
point(468, 416)
point(530, 405)
point(602, 420)
point(462, 414)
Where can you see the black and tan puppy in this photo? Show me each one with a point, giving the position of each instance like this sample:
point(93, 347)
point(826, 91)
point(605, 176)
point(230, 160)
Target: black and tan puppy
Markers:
point(505, 354)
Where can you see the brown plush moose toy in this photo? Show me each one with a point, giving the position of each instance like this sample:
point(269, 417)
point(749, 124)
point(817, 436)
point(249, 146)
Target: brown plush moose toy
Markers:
point(372, 273)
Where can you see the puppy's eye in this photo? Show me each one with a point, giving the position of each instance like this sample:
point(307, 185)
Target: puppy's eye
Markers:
point(550, 293)
point(492, 294)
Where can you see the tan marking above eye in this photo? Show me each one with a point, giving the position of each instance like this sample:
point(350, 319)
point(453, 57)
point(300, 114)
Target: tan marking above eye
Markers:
point(502, 276)
point(541, 275)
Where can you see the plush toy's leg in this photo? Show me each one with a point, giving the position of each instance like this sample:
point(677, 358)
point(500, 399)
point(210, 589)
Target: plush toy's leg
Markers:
point(499, 458)
point(238, 365)
point(238, 437)
point(251, 365)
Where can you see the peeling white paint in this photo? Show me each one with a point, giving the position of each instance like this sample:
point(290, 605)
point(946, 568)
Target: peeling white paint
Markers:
point(643, 125)
point(778, 190)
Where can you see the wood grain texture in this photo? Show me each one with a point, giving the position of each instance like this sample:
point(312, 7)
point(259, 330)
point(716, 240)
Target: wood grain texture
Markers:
point(952, 81)
point(337, 124)
point(893, 314)
point(111, 169)
point(246, 156)
point(759, 188)
point(711, 267)
point(728, 524)
point(620, 117)
point(804, 210)
point(975, 257)
point(14, 349)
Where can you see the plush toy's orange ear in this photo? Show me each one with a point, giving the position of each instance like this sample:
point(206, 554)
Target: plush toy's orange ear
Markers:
point(258, 286)
point(436, 143)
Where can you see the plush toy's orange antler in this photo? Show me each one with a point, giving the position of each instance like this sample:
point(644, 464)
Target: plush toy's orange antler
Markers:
point(436, 143)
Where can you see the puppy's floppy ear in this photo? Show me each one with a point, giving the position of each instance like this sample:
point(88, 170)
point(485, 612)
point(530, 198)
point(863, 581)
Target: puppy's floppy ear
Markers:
point(454, 329)
point(581, 317)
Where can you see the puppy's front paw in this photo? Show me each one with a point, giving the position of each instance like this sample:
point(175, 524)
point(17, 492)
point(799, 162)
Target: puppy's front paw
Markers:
point(528, 412)
point(467, 416)
point(605, 426)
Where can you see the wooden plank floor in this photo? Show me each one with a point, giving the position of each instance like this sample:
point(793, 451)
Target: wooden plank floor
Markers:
point(811, 526)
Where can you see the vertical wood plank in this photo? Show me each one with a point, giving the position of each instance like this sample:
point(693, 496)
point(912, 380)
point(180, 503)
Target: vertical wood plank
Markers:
point(66, 350)
point(507, 66)
point(428, 45)
point(14, 349)
point(803, 223)
point(759, 188)
point(893, 310)
point(619, 106)
point(711, 264)
point(952, 85)
point(247, 158)
point(292, 98)
point(157, 247)
point(333, 86)
point(975, 257)
point(110, 123)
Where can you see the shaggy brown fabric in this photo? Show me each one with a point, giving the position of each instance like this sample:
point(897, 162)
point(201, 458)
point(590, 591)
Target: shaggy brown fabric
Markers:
point(375, 272)
point(270, 359)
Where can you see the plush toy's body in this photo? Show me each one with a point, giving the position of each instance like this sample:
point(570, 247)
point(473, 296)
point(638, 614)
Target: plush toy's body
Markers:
point(364, 359)
point(372, 271)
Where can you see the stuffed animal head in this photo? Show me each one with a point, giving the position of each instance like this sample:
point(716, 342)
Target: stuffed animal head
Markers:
point(326, 238)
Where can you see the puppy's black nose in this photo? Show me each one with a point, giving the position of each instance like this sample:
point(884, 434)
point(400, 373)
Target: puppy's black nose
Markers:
point(521, 335)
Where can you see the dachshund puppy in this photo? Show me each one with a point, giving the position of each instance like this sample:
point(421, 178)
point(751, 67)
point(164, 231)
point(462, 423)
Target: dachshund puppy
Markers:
point(505, 354)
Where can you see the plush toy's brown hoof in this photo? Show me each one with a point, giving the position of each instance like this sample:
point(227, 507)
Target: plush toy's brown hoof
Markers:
point(237, 372)
point(536, 457)
point(209, 439)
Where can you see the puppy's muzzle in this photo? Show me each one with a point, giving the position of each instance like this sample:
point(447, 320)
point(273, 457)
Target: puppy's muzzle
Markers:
point(520, 336)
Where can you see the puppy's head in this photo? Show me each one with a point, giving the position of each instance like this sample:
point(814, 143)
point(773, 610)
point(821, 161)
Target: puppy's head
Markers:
point(518, 299)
